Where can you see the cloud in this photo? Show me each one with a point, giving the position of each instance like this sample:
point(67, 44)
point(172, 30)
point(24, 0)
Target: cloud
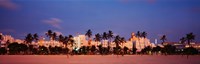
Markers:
point(58, 33)
point(8, 4)
point(54, 22)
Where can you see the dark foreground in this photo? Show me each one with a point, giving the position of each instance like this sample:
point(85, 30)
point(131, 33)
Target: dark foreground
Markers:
point(98, 59)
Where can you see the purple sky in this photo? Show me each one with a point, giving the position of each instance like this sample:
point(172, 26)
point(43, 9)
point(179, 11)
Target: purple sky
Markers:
point(175, 18)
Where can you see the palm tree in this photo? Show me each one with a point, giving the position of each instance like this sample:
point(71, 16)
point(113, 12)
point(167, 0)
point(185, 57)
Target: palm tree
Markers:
point(105, 36)
point(163, 38)
point(29, 38)
point(97, 37)
point(61, 38)
point(35, 36)
point(89, 34)
point(138, 35)
point(117, 42)
point(190, 37)
point(144, 34)
point(71, 42)
point(182, 40)
point(110, 36)
point(54, 36)
point(122, 41)
point(49, 34)
point(65, 40)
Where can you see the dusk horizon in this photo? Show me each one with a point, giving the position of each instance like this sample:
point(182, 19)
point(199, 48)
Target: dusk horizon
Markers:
point(99, 31)
point(174, 19)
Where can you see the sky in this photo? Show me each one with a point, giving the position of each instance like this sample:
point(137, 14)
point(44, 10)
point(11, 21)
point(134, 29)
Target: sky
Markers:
point(173, 18)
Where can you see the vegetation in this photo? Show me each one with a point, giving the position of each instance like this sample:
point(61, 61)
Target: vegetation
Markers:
point(163, 38)
point(27, 48)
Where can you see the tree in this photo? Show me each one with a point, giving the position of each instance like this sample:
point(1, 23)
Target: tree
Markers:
point(32, 49)
point(89, 35)
point(43, 50)
point(35, 36)
point(61, 38)
point(105, 36)
point(23, 48)
point(97, 37)
point(93, 49)
point(182, 40)
point(117, 42)
point(134, 49)
point(7, 42)
point(57, 50)
point(122, 40)
point(156, 49)
point(110, 35)
point(83, 50)
point(65, 40)
point(3, 50)
point(138, 35)
point(169, 49)
point(54, 36)
point(190, 37)
point(15, 48)
point(49, 34)
point(29, 38)
point(190, 51)
point(163, 38)
point(125, 49)
point(146, 50)
point(71, 42)
point(144, 34)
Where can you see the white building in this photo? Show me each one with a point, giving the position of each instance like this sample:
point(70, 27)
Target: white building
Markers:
point(80, 40)
point(140, 42)
point(6, 38)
